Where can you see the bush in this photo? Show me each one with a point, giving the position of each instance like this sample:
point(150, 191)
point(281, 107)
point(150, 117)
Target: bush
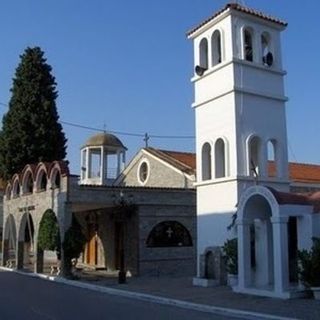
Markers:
point(309, 265)
point(49, 234)
point(230, 250)
point(74, 241)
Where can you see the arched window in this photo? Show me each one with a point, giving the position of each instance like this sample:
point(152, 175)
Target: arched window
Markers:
point(203, 53)
point(206, 161)
point(56, 179)
point(254, 156)
point(220, 159)
point(272, 163)
point(266, 48)
point(216, 48)
point(43, 181)
point(16, 189)
point(8, 192)
point(248, 44)
point(28, 183)
point(169, 234)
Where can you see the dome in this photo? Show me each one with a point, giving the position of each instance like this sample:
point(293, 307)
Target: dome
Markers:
point(104, 139)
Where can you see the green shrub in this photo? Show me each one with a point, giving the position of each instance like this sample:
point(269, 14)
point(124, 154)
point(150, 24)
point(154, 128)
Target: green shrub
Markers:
point(309, 265)
point(49, 234)
point(230, 250)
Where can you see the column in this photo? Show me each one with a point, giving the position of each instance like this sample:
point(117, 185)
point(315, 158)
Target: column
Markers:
point(5, 251)
point(244, 264)
point(280, 253)
point(88, 164)
point(263, 160)
point(118, 163)
point(103, 172)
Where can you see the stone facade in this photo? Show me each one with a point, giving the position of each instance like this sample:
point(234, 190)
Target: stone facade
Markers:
point(104, 212)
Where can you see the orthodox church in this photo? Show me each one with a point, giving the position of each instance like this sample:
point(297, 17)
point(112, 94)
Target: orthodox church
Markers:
point(162, 212)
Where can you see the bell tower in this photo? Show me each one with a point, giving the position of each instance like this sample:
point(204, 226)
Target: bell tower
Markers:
point(239, 104)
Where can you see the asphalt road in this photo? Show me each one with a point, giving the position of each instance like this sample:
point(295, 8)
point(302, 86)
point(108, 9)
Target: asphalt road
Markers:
point(26, 298)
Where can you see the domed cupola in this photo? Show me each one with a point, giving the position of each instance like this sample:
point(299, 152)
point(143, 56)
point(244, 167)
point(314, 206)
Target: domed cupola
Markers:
point(102, 159)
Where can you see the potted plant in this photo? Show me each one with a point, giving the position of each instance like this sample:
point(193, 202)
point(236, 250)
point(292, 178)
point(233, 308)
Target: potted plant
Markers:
point(309, 267)
point(230, 251)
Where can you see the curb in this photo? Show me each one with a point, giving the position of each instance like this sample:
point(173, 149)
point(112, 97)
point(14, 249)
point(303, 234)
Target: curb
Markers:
point(236, 313)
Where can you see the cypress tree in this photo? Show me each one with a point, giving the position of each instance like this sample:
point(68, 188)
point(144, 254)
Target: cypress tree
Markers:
point(30, 129)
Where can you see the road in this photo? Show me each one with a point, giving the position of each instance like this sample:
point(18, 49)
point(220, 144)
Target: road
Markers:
point(26, 298)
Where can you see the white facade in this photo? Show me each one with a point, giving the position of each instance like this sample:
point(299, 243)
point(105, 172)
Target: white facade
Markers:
point(240, 116)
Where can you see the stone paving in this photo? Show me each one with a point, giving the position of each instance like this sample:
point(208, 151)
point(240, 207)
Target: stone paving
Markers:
point(182, 289)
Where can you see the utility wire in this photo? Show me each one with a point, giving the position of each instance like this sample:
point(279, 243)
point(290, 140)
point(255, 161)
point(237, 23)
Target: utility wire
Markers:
point(123, 133)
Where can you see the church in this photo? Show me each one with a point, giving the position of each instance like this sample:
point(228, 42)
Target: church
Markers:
point(181, 204)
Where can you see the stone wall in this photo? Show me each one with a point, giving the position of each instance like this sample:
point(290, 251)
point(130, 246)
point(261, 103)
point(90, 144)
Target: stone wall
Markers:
point(159, 174)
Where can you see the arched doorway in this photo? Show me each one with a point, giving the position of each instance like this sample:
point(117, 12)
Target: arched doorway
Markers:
point(257, 215)
point(9, 242)
point(26, 247)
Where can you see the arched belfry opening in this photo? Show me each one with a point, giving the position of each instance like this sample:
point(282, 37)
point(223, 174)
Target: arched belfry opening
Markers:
point(102, 159)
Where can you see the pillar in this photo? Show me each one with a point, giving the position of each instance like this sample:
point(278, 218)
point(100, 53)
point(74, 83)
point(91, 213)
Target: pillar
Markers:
point(244, 255)
point(280, 252)
point(5, 251)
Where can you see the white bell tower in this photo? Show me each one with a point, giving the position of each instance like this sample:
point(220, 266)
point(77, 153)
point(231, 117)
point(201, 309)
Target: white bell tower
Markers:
point(239, 104)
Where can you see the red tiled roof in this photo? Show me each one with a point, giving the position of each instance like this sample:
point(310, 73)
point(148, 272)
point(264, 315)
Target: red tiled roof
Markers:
point(298, 199)
point(240, 8)
point(184, 161)
point(300, 172)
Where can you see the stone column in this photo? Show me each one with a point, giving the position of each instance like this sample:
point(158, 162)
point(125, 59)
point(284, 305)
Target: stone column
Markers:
point(244, 255)
point(38, 257)
point(280, 253)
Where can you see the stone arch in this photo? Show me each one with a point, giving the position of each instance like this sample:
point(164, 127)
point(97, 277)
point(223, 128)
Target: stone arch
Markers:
point(49, 256)
point(15, 186)
point(26, 243)
point(169, 233)
point(27, 181)
point(41, 177)
point(55, 177)
point(9, 241)
point(8, 191)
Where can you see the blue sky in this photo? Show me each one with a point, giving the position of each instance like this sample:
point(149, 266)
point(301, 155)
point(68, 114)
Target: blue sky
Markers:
point(127, 64)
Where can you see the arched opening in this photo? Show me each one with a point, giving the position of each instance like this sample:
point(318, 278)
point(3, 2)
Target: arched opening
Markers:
point(248, 44)
point(49, 244)
point(9, 242)
point(169, 234)
point(26, 242)
point(206, 162)
point(272, 162)
point(8, 192)
point(56, 179)
point(254, 156)
point(220, 159)
point(28, 183)
point(203, 53)
point(16, 188)
point(265, 47)
point(42, 181)
point(216, 48)
point(259, 247)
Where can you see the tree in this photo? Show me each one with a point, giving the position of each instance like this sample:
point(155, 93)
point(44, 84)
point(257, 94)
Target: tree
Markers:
point(30, 129)
point(49, 234)
point(73, 244)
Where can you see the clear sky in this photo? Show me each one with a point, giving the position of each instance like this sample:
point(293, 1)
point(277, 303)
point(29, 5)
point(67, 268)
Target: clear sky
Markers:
point(127, 65)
